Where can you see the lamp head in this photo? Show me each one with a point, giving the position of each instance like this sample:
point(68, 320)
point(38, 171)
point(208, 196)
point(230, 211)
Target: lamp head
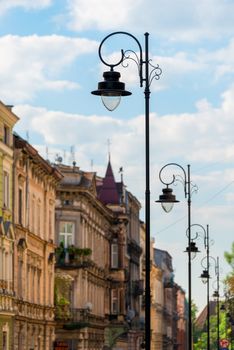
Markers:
point(223, 307)
point(205, 276)
point(193, 249)
point(216, 294)
point(167, 199)
point(111, 90)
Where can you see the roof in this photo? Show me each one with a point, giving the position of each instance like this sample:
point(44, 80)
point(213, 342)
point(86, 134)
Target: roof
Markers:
point(20, 143)
point(108, 192)
point(201, 319)
point(162, 258)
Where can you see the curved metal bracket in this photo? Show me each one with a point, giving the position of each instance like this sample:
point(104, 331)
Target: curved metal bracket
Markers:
point(202, 263)
point(175, 178)
point(123, 56)
point(209, 264)
point(155, 71)
point(196, 235)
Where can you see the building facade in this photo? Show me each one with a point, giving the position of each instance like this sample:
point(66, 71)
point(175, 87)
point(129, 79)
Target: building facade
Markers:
point(163, 261)
point(96, 305)
point(173, 308)
point(34, 189)
point(7, 236)
point(157, 304)
point(180, 317)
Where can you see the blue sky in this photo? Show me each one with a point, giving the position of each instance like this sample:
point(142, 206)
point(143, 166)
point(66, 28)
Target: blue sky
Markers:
point(49, 64)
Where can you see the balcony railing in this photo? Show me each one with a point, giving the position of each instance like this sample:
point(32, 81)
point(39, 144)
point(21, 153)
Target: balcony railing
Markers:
point(72, 257)
point(73, 318)
point(65, 313)
point(138, 287)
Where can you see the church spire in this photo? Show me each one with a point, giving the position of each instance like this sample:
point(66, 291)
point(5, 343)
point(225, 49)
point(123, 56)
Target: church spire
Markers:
point(109, 193)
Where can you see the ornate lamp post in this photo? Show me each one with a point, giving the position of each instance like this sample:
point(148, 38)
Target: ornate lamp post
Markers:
point(205, 276)
point(216, 296)
point(167, 199)
point(111, 90)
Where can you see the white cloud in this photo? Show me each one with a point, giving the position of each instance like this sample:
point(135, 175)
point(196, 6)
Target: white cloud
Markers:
point(93, 14)
point(204, 137)
point(206, 134)
point(181, 65)
point(183, 20)
point(27, 4)
point(33, 63)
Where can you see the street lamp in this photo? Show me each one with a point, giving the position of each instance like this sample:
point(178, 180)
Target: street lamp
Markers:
point(167, 199)
point(216, 296)
point(111, 90)
point(205, 276)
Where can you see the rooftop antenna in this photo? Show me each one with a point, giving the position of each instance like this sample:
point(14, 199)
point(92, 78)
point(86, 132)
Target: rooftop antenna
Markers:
point(72, 151)
point(47, 153)
point(58, 158)
point(121, 173)
point(123, 189)
point(91, 164)
point(64, 156)
point(27, 136)
point(108, 147)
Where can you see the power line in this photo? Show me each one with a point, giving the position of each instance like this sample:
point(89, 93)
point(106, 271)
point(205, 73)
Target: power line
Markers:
point(210, 199)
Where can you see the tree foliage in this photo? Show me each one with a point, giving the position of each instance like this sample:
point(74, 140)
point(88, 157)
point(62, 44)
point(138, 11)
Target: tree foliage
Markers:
point(226, 317)
point(229, 256)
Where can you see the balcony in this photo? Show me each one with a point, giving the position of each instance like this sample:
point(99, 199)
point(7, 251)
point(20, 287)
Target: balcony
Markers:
point(72, 257)
point(117, 275)
point(137, 287)
point(73, 318)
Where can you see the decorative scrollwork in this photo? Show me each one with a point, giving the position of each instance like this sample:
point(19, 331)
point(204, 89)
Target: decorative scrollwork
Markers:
point(135, 59)
point(194, 188)
point(155, 72)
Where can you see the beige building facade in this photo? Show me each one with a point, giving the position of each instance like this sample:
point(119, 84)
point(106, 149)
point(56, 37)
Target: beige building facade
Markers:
point(34, 188)
point(7, 236)
point(98, 307)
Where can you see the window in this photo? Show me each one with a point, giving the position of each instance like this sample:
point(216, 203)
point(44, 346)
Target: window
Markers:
point(6, 272)
point(50, 225)
point(114, 255)
point(39, 217)
point(38, 286)
point(6, 189)
point(33, 215)
point(4, 341)
point(6, 135)
point(66, 233)
point(20, 278)
point(20, 204)
point(114, 301)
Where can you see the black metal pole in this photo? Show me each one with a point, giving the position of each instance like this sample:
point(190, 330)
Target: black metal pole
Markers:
point(218, 310)
point(208, 289)
point(104, 89)
point(147, 202)
point(190, 336)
